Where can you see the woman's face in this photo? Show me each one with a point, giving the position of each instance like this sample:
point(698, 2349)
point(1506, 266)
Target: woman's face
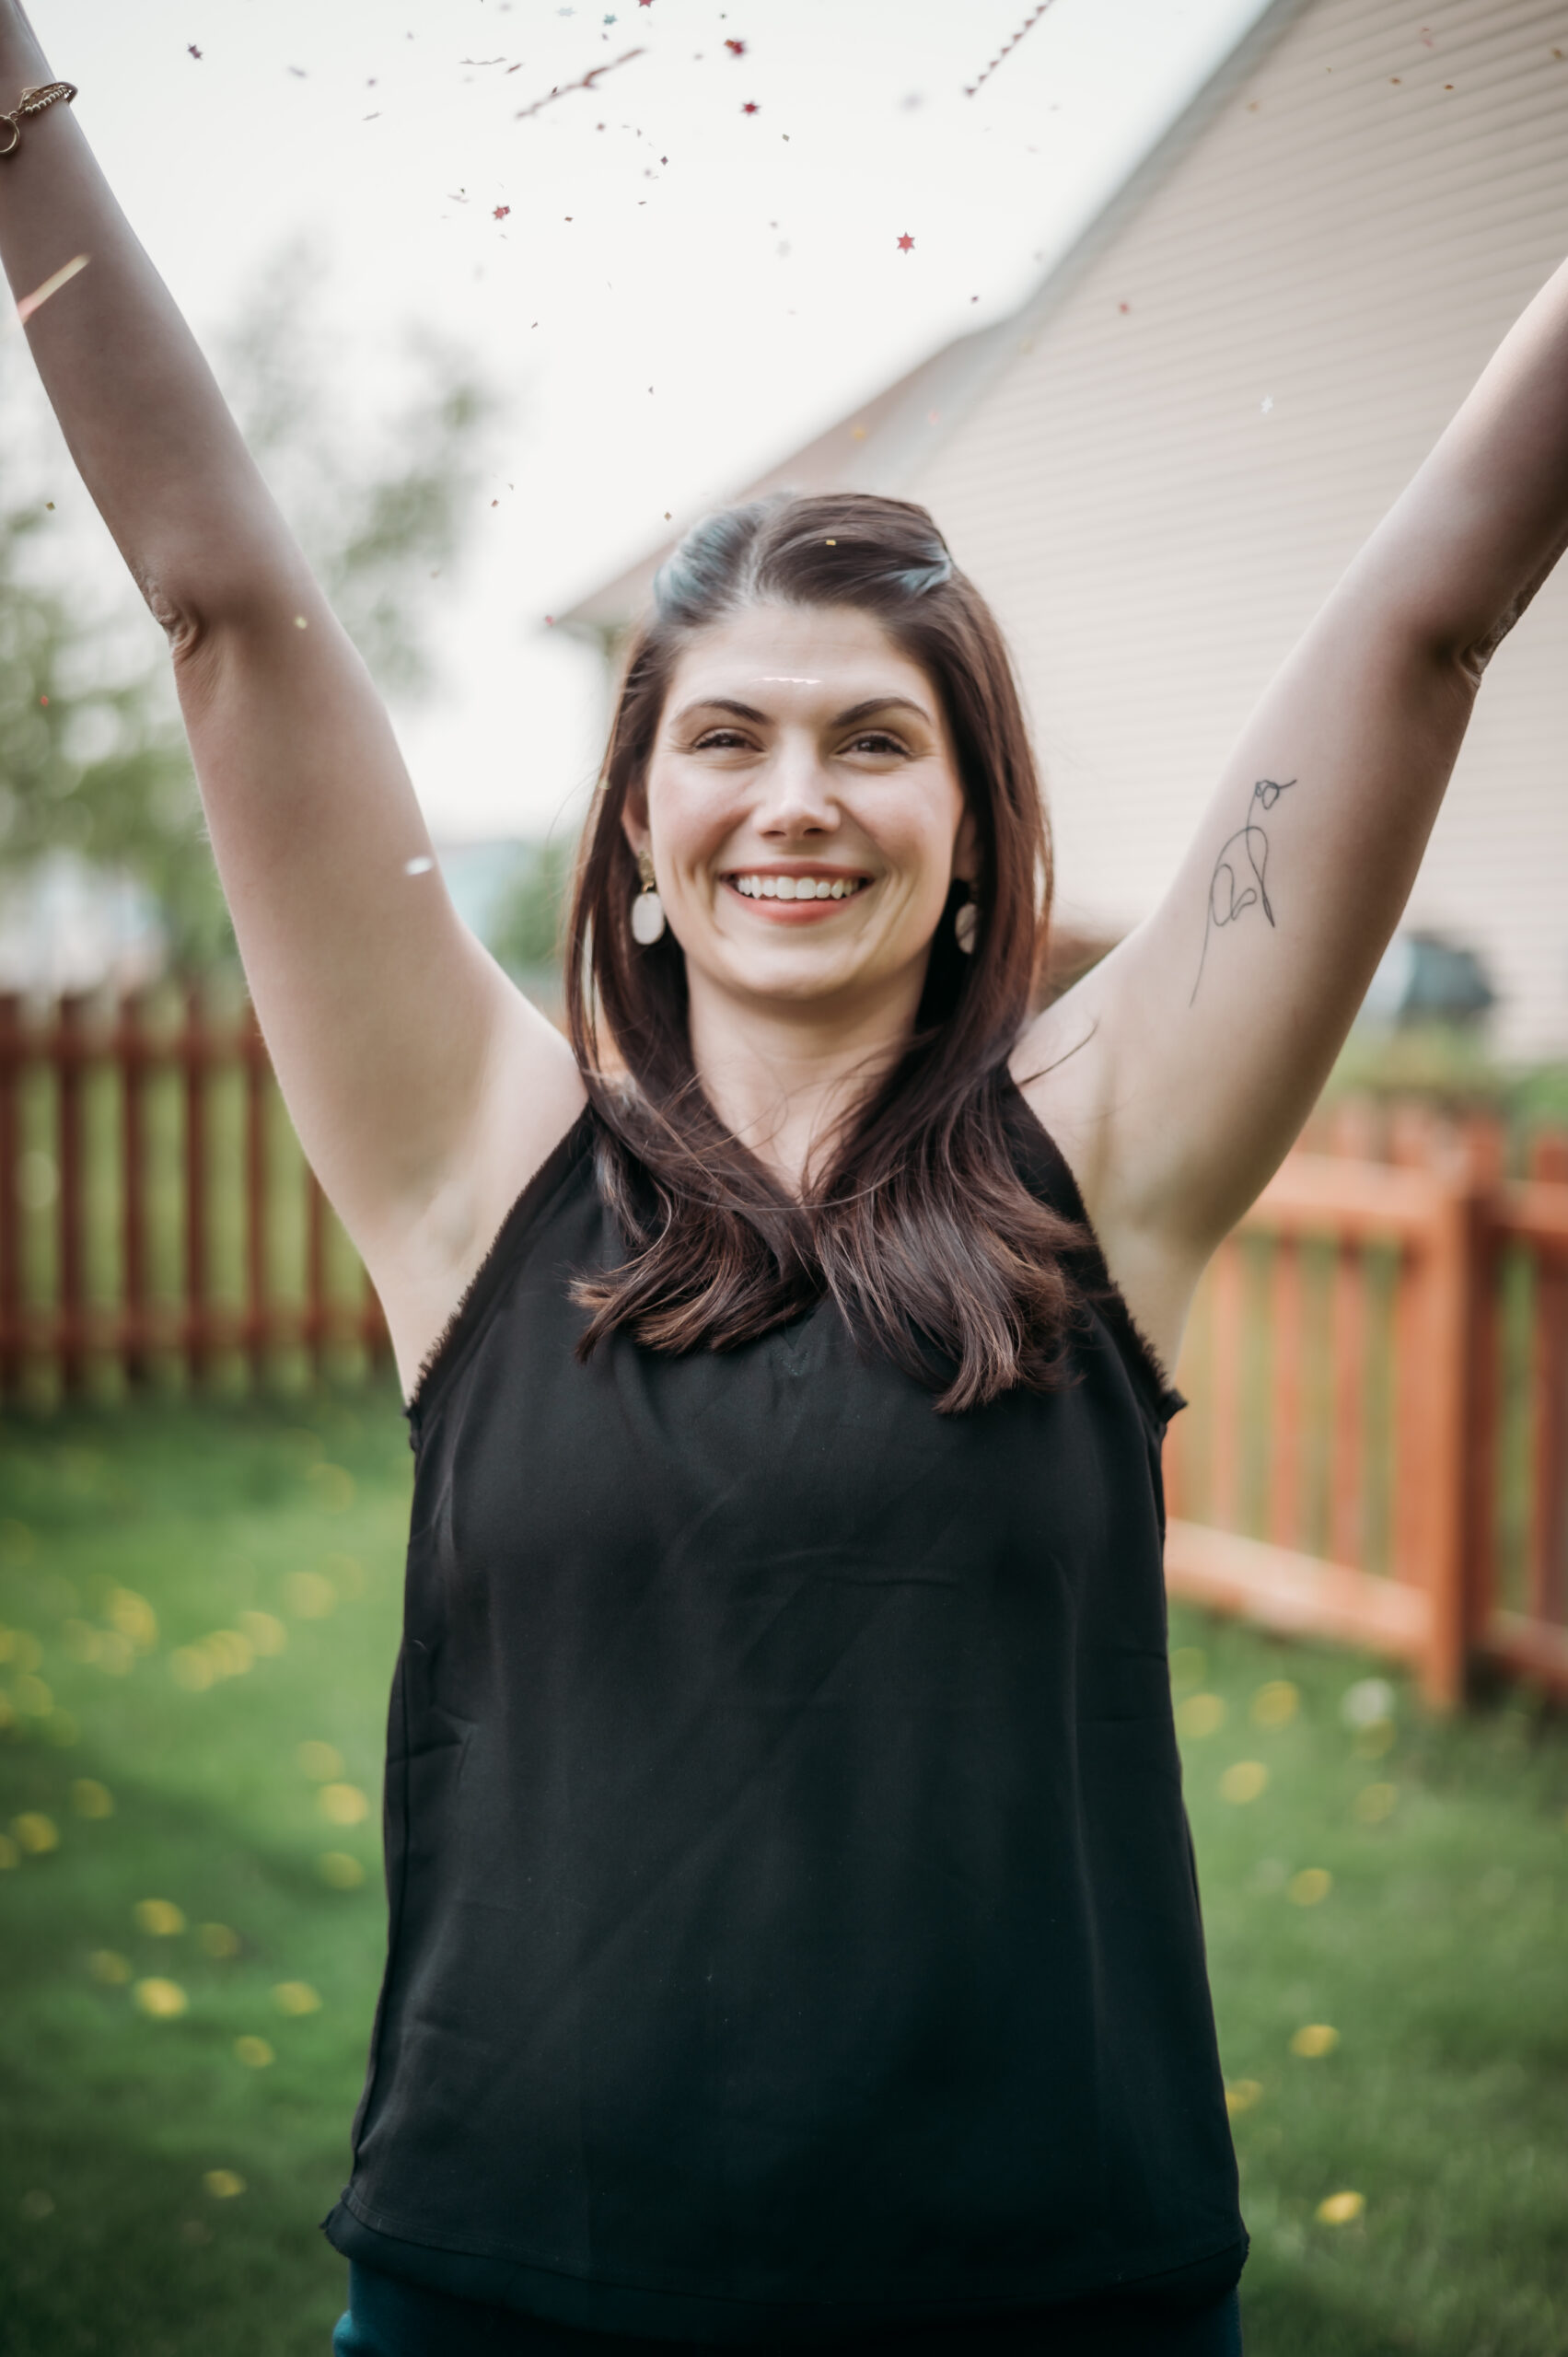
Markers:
point(803, 809)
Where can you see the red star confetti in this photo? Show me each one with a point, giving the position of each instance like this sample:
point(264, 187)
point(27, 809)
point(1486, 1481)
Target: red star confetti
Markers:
point(192, 49)
point(971, 87)
point(750, 107)
point(500, 212)
point(736, 48)
point(906, 243)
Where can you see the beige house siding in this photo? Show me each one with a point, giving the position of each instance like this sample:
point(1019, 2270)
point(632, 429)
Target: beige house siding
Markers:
point(1345, 241)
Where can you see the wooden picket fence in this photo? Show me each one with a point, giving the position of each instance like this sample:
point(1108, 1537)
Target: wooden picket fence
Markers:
point(1376, 1448)
point(155, 1213)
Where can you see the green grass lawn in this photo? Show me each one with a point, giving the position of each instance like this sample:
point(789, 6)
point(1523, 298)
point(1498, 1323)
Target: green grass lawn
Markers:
point(200, 1612)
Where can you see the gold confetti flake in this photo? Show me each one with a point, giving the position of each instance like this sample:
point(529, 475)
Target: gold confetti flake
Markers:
point(224, 2185)
point(90, 1798)
point(164, 2001)
point(309, 1596)
point(343, 1804)
point(254, 2052)
point(133, 1617)
point(295, 1997)
point(1241, 2095)
point(339, 1870)
point(1243, 1780)
point(161, 1917)
point(321, 1762)
point(110, 1966)
point(1310, 1886)
point(1199, 1715)
point(1340, 2209)
point(189, 1666)
point(1314, 2038)
point(218, 1940)
point(265, 1633)
point(1275, 1704)
point(36, 1834)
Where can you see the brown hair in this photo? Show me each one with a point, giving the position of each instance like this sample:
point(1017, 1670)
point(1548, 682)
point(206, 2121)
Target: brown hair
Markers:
point(921, 1229)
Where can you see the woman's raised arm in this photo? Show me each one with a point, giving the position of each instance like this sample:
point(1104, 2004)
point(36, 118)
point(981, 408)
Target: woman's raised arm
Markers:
point(425, 1087)
point(1195, 1051)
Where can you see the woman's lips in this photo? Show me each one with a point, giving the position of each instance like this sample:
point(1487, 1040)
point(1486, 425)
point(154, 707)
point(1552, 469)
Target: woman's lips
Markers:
point(773, 912)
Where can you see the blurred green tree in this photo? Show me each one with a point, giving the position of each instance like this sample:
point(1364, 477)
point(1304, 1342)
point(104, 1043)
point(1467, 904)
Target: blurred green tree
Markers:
point(524, 929)
point(92, 757)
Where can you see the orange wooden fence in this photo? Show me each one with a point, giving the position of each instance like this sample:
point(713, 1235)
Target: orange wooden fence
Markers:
point(1376, 1450)
point(154, 1207)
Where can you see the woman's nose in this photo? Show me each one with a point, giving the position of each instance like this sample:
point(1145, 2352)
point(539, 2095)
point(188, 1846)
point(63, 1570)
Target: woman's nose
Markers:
point(796, 793)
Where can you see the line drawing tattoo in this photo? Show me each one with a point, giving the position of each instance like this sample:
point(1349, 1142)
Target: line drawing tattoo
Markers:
point(1225, 903)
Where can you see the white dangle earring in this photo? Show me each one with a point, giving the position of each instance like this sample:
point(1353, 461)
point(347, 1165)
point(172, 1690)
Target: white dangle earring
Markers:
point(648, 909)
point(966, 924)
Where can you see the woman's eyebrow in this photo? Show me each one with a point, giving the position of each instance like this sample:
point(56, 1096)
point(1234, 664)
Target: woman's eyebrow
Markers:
point(721, 703)
point(881, 704)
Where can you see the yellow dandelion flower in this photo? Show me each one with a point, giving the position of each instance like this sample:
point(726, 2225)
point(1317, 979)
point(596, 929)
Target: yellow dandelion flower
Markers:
point(110, 1966)
point(295, 1997)
point(90, 1798)
point(1340, 2208)
point(163, 2000)
point(218, 1940)
point(1310, 1886)
point(320, 1761)
point(343, 1804)
point(1243, 1780)
point(36, 1833)
point(265, 1631)
point(336, 1867)
point(1275, 1704)
point(254, 2052)
point(158, 1916)
point(1314, 2038)
point(1241, 2095)
point(1200, 1714)
point(309, 1596)
point(222, 2184)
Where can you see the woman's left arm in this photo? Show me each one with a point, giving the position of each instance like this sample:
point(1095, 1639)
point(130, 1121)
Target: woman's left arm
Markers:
point(1201, 1042)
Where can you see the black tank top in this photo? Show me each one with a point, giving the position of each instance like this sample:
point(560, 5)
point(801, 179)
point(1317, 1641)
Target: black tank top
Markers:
point(794, 1924)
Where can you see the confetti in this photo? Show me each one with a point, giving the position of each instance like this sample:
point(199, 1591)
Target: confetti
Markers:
point(1374, 1803)
point(1367, 1702)
point(295, 1997)
point(254, 2052)
point(1244, 1781)
point(1242, 2095)
point(222, 2184)
point(906, 243)
point(90, 1798)
point(36, 1833)
point(40, 294)
point(1007, 45)
point(500, 212)
point(1310, 1886)
point(343, 1804)
point(563, 90)
point(1314, 2038)
point(423, 865)
point(339, 1870)
point(218, 1940)
point(1199, 1715)
point(736, 48)
point(750, 107)
point(110, 1966)
point(192, 49)
point(320, 1761)
point(1275, 1704)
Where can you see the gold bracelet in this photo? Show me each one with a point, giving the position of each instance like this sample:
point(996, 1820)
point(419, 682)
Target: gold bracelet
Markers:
point(33, 103)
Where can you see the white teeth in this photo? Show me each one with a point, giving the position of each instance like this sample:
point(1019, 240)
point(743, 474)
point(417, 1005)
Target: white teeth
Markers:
point(796, 888)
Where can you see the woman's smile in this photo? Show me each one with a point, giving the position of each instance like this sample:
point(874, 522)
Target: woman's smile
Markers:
point(796, 891)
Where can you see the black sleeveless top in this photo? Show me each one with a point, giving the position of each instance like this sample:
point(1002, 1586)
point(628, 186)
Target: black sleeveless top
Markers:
point(794, 1924)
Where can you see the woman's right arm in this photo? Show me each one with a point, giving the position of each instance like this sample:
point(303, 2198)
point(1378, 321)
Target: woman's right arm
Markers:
point(425, 1087)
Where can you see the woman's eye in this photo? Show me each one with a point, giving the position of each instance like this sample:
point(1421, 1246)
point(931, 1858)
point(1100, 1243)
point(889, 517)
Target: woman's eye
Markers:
point(719, 741)
point(877, 742)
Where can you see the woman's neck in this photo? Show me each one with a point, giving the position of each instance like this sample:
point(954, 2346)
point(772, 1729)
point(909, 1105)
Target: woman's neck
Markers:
point(783, 1079)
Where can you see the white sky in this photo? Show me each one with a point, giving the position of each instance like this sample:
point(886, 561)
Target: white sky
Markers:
point(744, 267)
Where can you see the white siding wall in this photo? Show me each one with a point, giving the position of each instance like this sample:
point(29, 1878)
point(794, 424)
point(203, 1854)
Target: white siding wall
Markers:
point(1346, 240)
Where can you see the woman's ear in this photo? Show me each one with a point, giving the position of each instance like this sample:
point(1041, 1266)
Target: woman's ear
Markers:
point(966, 850)
point(634, 820)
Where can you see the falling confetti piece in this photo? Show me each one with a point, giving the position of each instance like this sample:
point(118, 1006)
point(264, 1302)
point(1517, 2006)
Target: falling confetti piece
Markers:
point(750, 107)
point(300, 622)
point(158, 1916)
point(343, 1804)
point(265, 1631)
point(192, 49)
point(906, 243)
point(1033, 19)
point(36, 1833)
point(218, 1940)
point(320, 1761)
point(1242, 2095)
point(28, 304)
point(1275, 1704)
point(110, 1966)
point(162, 2001)
point(1310, 1886)
point(222, 2184)
point(1369, 1700)
point(736, 48)
point(90, 1798)
point(308, 1596)
point(254, 2052)
point(295, 1997)
point(422, 866)
point(563, 90)
point(1374, 1803)
point(1340, 2208)
point(1244, 1781)
point(1314, 2038)
point(500, 212)
point(1199, 1715)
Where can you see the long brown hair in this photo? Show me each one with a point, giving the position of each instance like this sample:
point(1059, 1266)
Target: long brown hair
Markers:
point(921, 1229)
